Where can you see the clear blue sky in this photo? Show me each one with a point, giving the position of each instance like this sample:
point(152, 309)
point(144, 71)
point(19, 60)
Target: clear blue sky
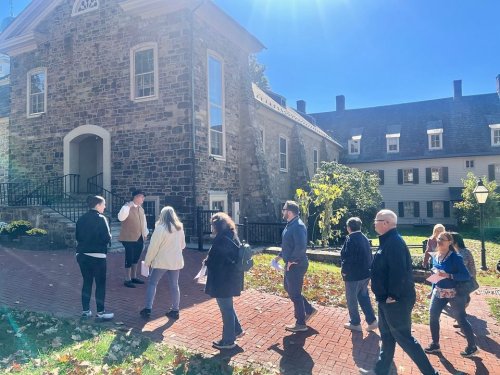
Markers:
point(375, 52)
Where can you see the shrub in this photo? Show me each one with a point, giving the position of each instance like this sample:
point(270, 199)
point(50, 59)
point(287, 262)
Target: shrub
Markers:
point(36, 232)
point(18, 227)
point(3, 227)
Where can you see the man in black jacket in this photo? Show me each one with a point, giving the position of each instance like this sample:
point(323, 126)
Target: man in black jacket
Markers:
point(392, 284)
point(356, 257)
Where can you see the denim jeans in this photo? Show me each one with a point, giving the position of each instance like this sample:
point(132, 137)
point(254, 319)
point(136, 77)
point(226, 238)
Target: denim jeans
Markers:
point(173, 286)
point(230, 323)
point(458, 308)
point(293, 281)
point(92, 268)
point(357, 291)
point(395, 326)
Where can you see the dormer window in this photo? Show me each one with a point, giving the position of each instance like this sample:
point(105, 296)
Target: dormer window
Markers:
point(495, 135)
point(84, 6)
point(435, 137)
point(354, 144)
point(392, 142)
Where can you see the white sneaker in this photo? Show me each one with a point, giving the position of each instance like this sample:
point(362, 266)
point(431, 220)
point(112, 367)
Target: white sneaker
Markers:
point(105, 315)
point(373, 326)
point(366, 371)
point(86, 314)
point(353, 327)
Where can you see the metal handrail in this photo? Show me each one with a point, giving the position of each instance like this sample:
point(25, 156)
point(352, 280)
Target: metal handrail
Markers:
point(114, 202)
point(94, 183)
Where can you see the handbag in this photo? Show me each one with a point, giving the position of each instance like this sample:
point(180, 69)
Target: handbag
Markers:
point(464, 288)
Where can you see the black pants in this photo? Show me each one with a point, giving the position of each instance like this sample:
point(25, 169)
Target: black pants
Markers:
point(293, 282)
point(92, 268)
point(133, 250)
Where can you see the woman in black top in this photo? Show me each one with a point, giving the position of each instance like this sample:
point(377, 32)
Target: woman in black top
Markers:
point(224, 278)
point(93, 236)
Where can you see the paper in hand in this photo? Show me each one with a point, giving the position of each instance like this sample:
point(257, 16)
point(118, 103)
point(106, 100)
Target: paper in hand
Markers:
point(144, 269)
point(201, 276)
point(434, 278)
point(276, 265)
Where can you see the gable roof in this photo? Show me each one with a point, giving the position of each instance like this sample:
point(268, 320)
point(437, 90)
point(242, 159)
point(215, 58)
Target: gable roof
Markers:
point(464, 122)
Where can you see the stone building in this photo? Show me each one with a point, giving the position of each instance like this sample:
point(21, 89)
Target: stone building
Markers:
point(151, 94)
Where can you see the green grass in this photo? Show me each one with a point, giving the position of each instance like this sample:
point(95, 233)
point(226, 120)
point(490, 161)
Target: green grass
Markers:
point(33, 343)
point(495, 308)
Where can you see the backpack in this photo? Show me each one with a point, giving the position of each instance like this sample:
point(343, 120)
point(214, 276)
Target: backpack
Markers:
point(245, 253)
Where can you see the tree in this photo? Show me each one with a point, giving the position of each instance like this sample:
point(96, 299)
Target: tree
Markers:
point(467, 210)
point(257, 73)
point(303, 199)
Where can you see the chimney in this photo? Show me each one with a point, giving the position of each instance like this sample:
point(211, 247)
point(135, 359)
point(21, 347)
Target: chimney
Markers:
point(301, 106)
point(340, 101)
point(457, 89)
point(498, 85)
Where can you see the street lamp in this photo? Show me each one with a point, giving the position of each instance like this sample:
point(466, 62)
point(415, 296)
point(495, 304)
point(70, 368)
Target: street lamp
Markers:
point(481, 194)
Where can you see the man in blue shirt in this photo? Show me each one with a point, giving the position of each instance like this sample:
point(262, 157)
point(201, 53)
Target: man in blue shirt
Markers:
point(293, 252)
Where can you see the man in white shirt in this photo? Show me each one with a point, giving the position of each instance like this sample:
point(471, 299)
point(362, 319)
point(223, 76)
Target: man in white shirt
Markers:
point(133, 233)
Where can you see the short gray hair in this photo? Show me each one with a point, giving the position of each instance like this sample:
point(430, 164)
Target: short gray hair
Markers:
point(389, 215)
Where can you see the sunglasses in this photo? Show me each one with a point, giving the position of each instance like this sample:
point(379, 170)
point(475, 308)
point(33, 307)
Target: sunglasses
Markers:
point(441, 239)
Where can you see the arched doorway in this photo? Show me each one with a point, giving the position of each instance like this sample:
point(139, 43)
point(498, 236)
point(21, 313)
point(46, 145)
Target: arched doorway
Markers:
point(87, 152)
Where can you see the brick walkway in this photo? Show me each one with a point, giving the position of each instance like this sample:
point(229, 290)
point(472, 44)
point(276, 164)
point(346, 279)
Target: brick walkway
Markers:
point(51, 282)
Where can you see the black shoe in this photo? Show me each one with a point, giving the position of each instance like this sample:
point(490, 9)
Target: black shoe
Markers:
point(129, 284)
point(137, 281)
point(433, 348)
point(469, 351)
point(222, 345)
point(173, 314)
point(145, 313)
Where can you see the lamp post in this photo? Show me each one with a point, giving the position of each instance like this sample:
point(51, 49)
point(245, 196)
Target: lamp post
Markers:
point(481, 194)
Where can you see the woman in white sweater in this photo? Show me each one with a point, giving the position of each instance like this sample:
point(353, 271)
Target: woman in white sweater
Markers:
point(164, 255)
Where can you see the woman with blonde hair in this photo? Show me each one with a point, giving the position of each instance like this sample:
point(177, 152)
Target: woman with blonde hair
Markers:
point(432, 243)
point(165, 256)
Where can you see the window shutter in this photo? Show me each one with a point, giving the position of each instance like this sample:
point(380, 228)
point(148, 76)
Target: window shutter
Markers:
point(400, 177)
point(416, 209)
point(415, 175)
point(446, 207)
point(445, 174)
point(401, 209)
point(428, 176)
point(381, 176)
point(491, 172)
point(429, 209)
point(382, 205)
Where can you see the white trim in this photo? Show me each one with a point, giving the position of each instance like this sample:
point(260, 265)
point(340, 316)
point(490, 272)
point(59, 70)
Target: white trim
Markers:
point(138, 48)
point(317, 162)
point(218, 58)
point(494, 127)
point(77, 4)
point(31, 73)
point(429, 139)
point(217, 196)
point(356, 137)
point(286, 153)
point(351, 142)
point(389, 139)
point(393, 135)
point(412, 176)
point(106, 152)
point(435, 131)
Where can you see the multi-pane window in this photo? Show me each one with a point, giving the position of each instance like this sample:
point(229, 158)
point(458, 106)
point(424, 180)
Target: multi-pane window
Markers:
point(353, 146)
point(144, 76)
point(437, 174)
point(409, 209)
point(315, 160)
point(408, 176)
point(495, 134)
point(438, 208)
point(392, 144)
point(435, 139)
point(469, 164)
point(37, 92)
point(283, 144)
point(216, 106)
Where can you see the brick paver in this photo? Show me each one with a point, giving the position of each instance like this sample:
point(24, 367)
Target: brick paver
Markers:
point(51, 282)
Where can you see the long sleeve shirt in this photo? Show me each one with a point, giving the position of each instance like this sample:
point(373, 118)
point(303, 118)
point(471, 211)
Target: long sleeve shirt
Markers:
point(123, 215)
point(356, 257)
point(294, 241)
point(452, 264)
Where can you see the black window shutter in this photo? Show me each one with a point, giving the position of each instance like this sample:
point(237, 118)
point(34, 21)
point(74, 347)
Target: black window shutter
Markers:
point(415, 175)
point(382, 205)
point(381, 176)
point(401, 209)
point(429, 209)
point(400, 177)
point(491, 172)
point(446, 206)
point(428, 176)
point(445, 174)
point(416, 209)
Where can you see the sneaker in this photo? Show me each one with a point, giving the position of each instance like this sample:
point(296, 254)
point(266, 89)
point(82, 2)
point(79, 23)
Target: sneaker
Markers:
point(137, 281)
point(456, 325)
point(296, 328)
point(240, 335)
point(469, 351)
point(173, 314)
point(145, 313)
point(222, 345)
point(86, 314)
point(353, 327)
point(366, 371)
point(104, 315)
point(309, 316)
point(129, 284)
point(372, 326)
point(433, 348)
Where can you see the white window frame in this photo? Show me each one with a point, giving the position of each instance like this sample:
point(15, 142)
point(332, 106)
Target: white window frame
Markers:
point(438, 209)
point(409, 208)
point(76, 6)
point(354, 142)
point(31, 73)
point(213, 55)
point(133, 89)
point(217, 196)
point(315, 160)
point(407, 172)
point(438, 170)
point(280, 154)
point(435, 133)
point(495, 138)
point(392, 140)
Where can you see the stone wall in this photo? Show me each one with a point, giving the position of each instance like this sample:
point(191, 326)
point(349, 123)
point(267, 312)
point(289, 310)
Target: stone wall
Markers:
point(4, 149)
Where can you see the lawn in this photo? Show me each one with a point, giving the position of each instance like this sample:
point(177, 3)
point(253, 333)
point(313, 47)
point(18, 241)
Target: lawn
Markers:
point(34, 343)
point(494, 304)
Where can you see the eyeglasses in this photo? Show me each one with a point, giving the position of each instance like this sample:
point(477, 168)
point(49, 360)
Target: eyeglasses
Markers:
point(441, 239)
point(377, 220)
